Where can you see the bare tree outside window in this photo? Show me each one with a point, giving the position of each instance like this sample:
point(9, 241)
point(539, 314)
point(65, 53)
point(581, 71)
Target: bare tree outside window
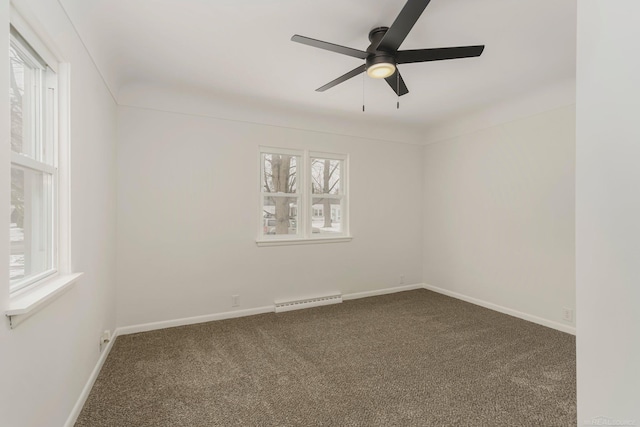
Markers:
point(326, 182)
point(280, 179)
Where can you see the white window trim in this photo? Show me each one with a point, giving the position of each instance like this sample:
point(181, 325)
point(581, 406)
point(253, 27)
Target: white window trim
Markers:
point(35, 37)
point(305, 235)
point(27, 301)
point(35, 298)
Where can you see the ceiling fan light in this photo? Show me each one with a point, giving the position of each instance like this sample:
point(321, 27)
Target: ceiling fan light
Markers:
point(381, 70)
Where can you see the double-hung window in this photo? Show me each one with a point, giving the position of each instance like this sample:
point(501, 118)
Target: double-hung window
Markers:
point(39, 228)
point(34, 168)
point(303, 196)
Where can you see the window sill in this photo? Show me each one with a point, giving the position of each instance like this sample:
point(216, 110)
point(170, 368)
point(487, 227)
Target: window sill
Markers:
point(312, 241)
point(25, 304)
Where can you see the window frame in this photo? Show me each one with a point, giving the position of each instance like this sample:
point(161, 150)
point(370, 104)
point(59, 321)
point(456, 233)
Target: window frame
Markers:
point(343, 193)
point(40, 290)
point(298, 194)
point(43, 119)
point(305, 196)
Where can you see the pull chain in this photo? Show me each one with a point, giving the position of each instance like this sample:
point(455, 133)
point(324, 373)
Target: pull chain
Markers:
point(398, 88)
point(363, 92)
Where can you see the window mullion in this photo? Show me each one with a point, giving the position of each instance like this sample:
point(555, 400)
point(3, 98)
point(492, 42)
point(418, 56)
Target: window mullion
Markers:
point(307, 195)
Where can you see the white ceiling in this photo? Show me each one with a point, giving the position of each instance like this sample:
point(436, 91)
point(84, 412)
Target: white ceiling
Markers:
point(241, 50)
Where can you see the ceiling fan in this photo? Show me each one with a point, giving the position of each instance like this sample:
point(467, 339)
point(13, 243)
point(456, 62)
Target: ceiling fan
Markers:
point(382, 56)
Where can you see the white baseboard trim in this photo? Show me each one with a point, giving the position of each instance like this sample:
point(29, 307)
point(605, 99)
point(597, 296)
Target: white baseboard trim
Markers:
point(383, 291)
point(511, 312)
point(145, 327)
point(77, 408)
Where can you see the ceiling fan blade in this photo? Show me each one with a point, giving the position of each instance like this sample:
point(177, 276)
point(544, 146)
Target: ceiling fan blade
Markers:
point(393, 82)
point(402, 25)
point(343, 78)
point(438, 54)
point(330, 46)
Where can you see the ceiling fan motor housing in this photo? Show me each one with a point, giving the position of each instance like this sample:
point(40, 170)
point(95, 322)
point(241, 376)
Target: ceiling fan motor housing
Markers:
point(380, 58)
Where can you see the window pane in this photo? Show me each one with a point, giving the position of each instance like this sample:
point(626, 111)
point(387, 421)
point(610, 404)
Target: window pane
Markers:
point(31, 226)
point(280, 173)
point(280, 215)
point(23, 95)
point(326, 216)
point(325, 176)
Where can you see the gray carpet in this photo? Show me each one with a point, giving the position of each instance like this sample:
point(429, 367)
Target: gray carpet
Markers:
point(413, 358)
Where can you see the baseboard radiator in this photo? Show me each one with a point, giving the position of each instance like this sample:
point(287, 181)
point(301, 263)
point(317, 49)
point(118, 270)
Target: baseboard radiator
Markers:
point(298, 304)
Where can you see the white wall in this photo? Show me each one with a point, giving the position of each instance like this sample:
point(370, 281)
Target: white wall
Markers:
point(608, 210)
point(499, 215)
point(46, 361)
point(187, 218)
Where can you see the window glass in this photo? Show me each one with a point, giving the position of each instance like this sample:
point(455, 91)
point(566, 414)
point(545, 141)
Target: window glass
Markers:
point(280, 173)
point(280, 215)
point(325, 176)
point(31, 222)
point(329, 219)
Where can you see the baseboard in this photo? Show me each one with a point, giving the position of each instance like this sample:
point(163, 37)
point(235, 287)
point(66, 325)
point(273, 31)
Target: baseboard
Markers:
point(511, 312)
point(145, 327)
point(77, 408)
point(383, 291)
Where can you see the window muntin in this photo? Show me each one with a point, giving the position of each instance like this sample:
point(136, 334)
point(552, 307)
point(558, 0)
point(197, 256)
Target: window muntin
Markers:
point(32, 95)
point(303, 195)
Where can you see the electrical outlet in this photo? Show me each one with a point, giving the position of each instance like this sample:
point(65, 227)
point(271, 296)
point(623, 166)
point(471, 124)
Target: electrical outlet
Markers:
point(567, 314)
point(235, 300)
point(402, 279)
point(104, 339)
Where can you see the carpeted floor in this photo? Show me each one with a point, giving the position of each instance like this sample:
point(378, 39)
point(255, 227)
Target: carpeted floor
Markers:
point(413, 358)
